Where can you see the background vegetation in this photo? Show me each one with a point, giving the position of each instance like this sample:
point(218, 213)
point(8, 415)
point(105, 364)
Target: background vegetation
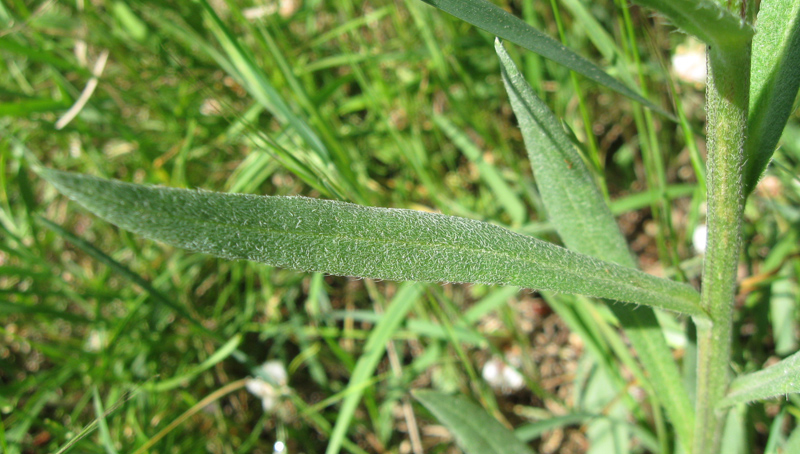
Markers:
point(381, 103)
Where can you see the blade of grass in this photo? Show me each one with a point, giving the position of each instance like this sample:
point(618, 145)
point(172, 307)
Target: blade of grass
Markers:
point(585, 224)
point(734, 434)
point(776, 436)
point(532, 431)
point(94, 425)
point(655, 173)
point(206, 401)
point(645, 198)
point(500, 23)
point(473, 428)
point(793, 442)
point(294, 159)
point(595, 32)
point(219, 355)
point(345, 239)
point(29, 106)
point(340, 159)
point(374, 349)
point(774, 82)
point(488, 172)
point(105, 436)
point(782, 307)
point(131, 276)
point(589, 143)
point(256, 82)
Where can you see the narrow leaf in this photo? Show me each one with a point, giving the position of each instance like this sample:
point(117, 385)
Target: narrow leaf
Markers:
point(774, 82)
point(777, 380)
point(351, 240)
point(705, 19)
point(585, 224)
point(793, 443)
point(574, 204)
point(373, 352)
point(488, 172)
point(534, 430)
point(498, 22)
point(473, 428)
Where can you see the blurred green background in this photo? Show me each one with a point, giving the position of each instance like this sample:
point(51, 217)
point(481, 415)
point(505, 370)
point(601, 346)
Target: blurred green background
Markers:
point(380, 103)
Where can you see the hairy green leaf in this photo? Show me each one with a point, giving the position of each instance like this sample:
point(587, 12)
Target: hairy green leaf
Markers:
point(498, 22)
point(473, 428)
point(351, 240)
point(777, 380)
point(774, 82)
point(574, 204)
point(583, 220)
point(705, 19)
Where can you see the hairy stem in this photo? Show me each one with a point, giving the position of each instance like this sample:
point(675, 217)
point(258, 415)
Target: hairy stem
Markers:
point(727, 100)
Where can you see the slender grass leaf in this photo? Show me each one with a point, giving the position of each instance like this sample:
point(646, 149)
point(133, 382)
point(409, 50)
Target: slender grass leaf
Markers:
point(488, 303)
point(105, 435)
point(241, 65)
point(34, 53)
point(585, 224)
point(131, 276)
point(296, 159)
point(793, 443)
point(774, 83)
point(782, 307)
point(474, 429)
point(416, 328)
point(374, 349)
point(30, 106)
point(646, 198)
point(777, 380)
point(218, 356)
point(594, 31)
point(488, 172)
point(705, 19)
point(734, 433)
point(498, 22)
point(776, 436)
point(532, 431)
point(351, 240)
point(255, 81)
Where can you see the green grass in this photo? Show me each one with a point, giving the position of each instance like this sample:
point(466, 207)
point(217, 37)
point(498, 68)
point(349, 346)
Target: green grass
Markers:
point(389, 104)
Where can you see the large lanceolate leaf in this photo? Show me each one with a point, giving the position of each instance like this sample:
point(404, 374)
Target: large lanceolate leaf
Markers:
point(574, 204)
point(777, 380)
point(498, 22)
point(583, 220)
point(351, 240)
point(774, 82)
point(473, 428)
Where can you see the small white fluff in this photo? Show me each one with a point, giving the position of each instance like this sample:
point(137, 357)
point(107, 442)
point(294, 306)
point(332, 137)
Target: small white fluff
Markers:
point(699, 238)
point(689, 62)
point(270, 378)
point(501, 376)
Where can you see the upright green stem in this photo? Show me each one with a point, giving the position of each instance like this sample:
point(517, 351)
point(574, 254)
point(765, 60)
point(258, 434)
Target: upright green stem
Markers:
point(727, 100)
